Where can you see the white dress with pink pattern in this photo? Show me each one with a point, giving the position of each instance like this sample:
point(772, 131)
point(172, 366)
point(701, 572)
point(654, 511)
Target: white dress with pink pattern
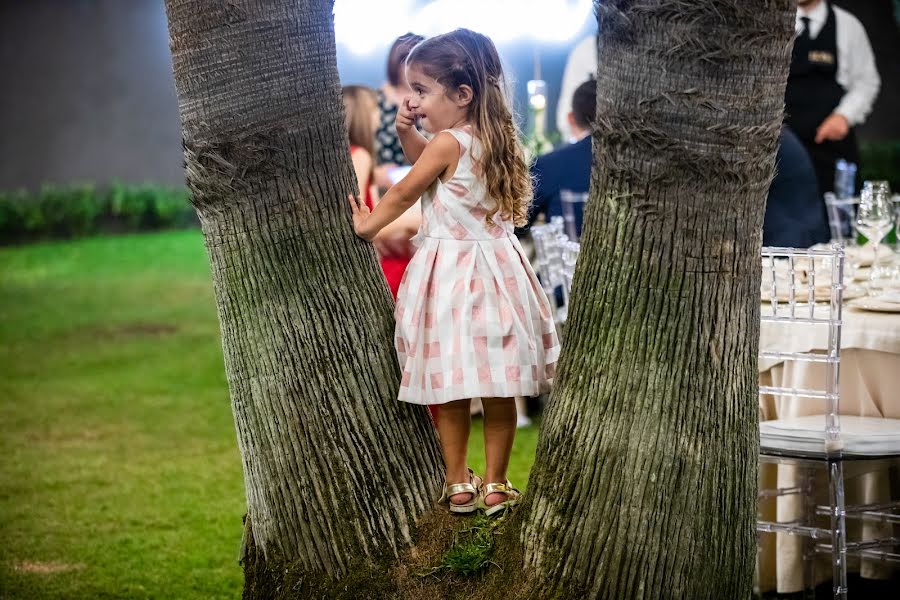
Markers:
point(472, 319)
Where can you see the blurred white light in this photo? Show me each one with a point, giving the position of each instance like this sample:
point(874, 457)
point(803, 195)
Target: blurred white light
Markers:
point(364, 25)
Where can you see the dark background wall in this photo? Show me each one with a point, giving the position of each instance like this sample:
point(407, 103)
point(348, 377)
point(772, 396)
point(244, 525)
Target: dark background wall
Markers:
point(881, 18)
point(87, 92)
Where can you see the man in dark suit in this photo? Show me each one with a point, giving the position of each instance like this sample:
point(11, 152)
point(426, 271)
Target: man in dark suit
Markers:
point(793, 218)
point(569, 167)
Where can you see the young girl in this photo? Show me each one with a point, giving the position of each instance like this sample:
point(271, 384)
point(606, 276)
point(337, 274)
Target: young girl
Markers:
point(361, 116)
point(472, 320)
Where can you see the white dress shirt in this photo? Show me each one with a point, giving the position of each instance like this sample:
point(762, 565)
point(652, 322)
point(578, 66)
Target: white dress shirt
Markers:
point(581, 65)
point(856, 64)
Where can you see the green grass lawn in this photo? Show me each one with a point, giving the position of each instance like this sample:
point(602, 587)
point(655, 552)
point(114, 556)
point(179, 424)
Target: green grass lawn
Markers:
point(120, 475)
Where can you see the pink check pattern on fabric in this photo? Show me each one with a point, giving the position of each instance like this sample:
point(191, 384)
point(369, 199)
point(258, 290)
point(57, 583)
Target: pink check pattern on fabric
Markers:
point(472, 319)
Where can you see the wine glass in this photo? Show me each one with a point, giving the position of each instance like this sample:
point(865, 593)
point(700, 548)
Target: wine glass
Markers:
point(874, 218)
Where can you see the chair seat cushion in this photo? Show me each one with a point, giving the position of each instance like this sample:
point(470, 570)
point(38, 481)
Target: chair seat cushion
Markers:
point(864, 436)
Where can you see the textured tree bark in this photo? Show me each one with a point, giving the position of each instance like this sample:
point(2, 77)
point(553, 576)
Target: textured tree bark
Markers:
point(644, 484)
point(336, 470)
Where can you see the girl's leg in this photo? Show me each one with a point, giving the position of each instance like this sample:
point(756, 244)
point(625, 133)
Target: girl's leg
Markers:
point(499, 433)
point(453, 429)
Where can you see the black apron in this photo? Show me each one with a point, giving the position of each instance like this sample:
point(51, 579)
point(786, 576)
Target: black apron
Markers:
point(812, 94)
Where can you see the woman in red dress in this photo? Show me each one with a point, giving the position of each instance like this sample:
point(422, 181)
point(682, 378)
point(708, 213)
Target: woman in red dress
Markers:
point(361, 115)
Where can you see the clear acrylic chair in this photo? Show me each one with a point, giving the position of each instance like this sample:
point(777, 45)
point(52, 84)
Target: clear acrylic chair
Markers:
point(549, 241)
point(570, 252)
point(573, 211)
point(794, 281)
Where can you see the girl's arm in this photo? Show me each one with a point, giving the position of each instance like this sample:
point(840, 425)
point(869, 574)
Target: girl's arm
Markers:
point(403, 227)
point(413, 144)
point(439, 153)
point(411, 140)
point(362, 166)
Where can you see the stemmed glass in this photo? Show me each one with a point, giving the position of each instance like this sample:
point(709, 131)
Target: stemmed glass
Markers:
point(874, 218)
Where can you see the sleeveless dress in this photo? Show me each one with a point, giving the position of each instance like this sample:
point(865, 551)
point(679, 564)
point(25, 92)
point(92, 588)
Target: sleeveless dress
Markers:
point(472, 319)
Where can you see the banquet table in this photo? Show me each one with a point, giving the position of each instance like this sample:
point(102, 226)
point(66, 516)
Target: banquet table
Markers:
point(869, 386)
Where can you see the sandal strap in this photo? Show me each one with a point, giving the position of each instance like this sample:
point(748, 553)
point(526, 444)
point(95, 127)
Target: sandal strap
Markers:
point(460, 488)
point(468, 487)
point(499, 488)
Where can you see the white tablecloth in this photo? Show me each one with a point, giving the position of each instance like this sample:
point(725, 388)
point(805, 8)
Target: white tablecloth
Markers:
point(869, 386)
point(861, 329)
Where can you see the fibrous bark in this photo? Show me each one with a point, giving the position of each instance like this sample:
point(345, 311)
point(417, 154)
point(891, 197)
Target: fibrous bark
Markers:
point(644, 484)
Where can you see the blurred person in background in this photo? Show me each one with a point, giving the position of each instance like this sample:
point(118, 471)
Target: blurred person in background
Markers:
point(361, 119)
point(569, 167)
point(361, 116)
point(388, 152)
point(581, 64)
point(793, 218)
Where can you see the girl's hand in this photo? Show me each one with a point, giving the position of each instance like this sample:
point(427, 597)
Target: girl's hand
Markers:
point(361, 214)
point(406, 118)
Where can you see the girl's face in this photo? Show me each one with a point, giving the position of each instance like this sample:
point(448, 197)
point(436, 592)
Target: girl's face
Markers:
point(434, 106)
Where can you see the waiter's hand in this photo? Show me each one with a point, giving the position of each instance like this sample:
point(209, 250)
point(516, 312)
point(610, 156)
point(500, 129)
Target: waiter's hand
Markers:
point(834, 128)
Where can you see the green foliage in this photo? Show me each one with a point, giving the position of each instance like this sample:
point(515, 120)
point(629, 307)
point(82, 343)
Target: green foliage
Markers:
point(881, 161)
point(472, 549)
point(80, 209)
point(11, 214)
point(132, 204)
point(67, 211)
point(173, 208)
point(536, 145)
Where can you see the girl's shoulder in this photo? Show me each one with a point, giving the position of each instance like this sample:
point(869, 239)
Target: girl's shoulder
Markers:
point(463, 136)
point(463, 131)
point(446, 138)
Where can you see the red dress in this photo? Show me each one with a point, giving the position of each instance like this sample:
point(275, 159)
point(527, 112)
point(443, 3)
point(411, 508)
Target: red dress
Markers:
point(393, 267)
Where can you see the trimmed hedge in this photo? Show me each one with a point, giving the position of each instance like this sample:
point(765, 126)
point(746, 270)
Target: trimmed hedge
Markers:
point(81, 209)
point(881, 161)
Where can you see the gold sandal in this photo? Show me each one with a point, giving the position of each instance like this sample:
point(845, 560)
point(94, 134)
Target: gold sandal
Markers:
point(471, 487)
point(512, 497)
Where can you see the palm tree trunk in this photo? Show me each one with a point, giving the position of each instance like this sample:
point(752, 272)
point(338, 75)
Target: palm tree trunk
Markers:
point(644, 484)
point(336, 470)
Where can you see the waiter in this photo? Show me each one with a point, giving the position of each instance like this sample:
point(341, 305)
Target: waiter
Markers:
point(831, 87)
